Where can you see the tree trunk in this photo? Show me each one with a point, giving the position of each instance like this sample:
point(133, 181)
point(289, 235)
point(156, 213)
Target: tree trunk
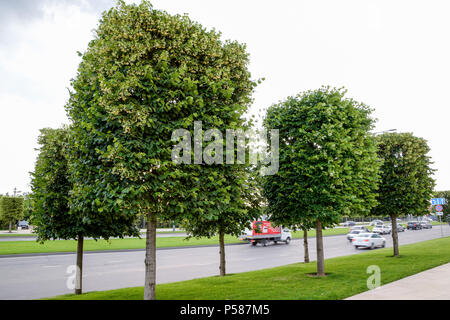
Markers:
point(222, 254)
point(319, 248)
point(150, 258)
point(305, 245)
point(395, 234)
point(79, 270)
point(10, 226)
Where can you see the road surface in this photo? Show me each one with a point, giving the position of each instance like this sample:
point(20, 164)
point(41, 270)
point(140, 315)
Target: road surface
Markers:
point(45, 276)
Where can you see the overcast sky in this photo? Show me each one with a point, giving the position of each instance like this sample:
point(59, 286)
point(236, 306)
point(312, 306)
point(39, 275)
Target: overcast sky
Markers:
point(392, 55)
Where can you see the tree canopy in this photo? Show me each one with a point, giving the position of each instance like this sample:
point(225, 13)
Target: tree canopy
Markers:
point(51, 187)
point(328, 162)
point(406, 185)
point(12, 209)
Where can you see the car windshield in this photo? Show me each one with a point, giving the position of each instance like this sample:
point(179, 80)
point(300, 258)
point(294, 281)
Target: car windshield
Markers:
point(355, 232)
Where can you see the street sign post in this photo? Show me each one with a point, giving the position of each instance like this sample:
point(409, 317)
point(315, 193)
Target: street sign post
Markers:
point(439, 212)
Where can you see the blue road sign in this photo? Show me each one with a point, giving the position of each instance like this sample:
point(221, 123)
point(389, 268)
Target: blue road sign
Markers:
point(436, 201)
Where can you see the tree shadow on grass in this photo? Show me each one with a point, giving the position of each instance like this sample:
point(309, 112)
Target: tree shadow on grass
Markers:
point(314, 275)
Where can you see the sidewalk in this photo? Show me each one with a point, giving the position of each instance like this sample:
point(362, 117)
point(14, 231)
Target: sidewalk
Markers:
point(433, 284)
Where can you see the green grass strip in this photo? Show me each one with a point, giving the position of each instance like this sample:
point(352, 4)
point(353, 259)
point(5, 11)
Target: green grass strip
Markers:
point(24, 247)
point(21, 235)
point(346, 277)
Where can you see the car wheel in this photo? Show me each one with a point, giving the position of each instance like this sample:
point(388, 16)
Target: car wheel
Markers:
point(372, 246)
point(254, 243)
point(288, 240)
point(384, 244)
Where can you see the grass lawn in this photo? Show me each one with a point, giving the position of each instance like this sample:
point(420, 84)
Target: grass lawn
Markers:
point(21, 247)
point(346, 277)
point(21, 235)
point(326, 232)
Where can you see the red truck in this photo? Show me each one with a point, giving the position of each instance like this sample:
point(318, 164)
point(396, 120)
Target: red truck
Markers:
point(263, 232)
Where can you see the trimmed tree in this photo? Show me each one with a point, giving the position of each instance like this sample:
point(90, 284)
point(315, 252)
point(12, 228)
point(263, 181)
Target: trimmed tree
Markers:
point(236, 204)
point(53, 184)
point(406, 185)
point(11, 209)
point(328, 163)
point(144, 76)
point(27, 206)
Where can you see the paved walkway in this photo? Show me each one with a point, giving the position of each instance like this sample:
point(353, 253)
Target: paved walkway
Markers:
point(433, 284)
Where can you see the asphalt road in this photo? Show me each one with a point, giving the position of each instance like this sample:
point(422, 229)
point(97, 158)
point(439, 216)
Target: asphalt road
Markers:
point(45, 276)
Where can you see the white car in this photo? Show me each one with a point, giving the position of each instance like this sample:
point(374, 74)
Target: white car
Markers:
point(354, 233)
point(381, 229)
point(375, 222)
point(369, 240)
point(400, 228)
point(361, 228)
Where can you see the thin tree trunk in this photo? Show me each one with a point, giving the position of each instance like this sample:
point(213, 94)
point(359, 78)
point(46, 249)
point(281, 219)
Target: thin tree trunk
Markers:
point(395, 235)
point(10, 226)
point(222, 266)
point(150, 258)
point(79, 270)
point(305, 245)
point(319, 248)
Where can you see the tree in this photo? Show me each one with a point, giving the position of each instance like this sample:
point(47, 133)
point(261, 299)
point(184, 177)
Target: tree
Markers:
point(145, 75)
point(11, 209)
point(27, 206)
point(1, 209)
point(406, 185)
point(327, 161)
point(53, 185)
point(237, 203)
